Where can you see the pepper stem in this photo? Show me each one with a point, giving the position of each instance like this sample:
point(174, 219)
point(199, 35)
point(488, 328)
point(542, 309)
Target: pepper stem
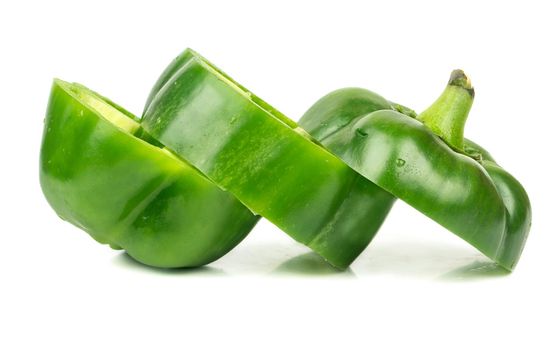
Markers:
point(447, 115)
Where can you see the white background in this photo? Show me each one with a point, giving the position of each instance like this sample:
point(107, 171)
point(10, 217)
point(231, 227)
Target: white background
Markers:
point(416, 286)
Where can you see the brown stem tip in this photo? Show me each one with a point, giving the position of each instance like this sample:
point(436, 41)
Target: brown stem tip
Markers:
point(458, 78)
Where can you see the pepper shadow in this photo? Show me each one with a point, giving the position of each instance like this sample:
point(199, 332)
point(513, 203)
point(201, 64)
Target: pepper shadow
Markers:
point(475, 271)
point(428, 260)
point(310, 265)
point(126, 261)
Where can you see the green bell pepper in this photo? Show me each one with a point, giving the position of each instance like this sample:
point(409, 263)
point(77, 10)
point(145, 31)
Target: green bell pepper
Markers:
point(275, 168)
point(101, 172)
point(425, 161)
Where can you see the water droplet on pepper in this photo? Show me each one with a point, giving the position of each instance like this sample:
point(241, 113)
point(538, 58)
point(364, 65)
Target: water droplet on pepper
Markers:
point(361, 132)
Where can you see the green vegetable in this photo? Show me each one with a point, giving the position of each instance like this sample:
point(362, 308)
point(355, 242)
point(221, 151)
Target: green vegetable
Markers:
point(264, 159)
point(182, 188)
point(101, 172)
point(425, 161)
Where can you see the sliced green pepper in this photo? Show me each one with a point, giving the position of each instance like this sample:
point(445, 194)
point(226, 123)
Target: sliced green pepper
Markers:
point(270, 164)
point(101, 172)
point(425, 161)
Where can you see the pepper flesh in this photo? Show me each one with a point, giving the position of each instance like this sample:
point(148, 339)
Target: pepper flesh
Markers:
point(270, 164)
point(516, 201)
point(456, 184)
point(127, 192)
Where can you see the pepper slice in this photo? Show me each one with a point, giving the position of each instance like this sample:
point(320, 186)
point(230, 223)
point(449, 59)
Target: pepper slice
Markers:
point(100, 171)
point(425, 161)
point(270, 164)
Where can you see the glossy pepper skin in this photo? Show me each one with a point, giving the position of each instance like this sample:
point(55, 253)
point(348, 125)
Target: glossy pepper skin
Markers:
point(425, 161)
point(270, 164)
point(101, 172)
